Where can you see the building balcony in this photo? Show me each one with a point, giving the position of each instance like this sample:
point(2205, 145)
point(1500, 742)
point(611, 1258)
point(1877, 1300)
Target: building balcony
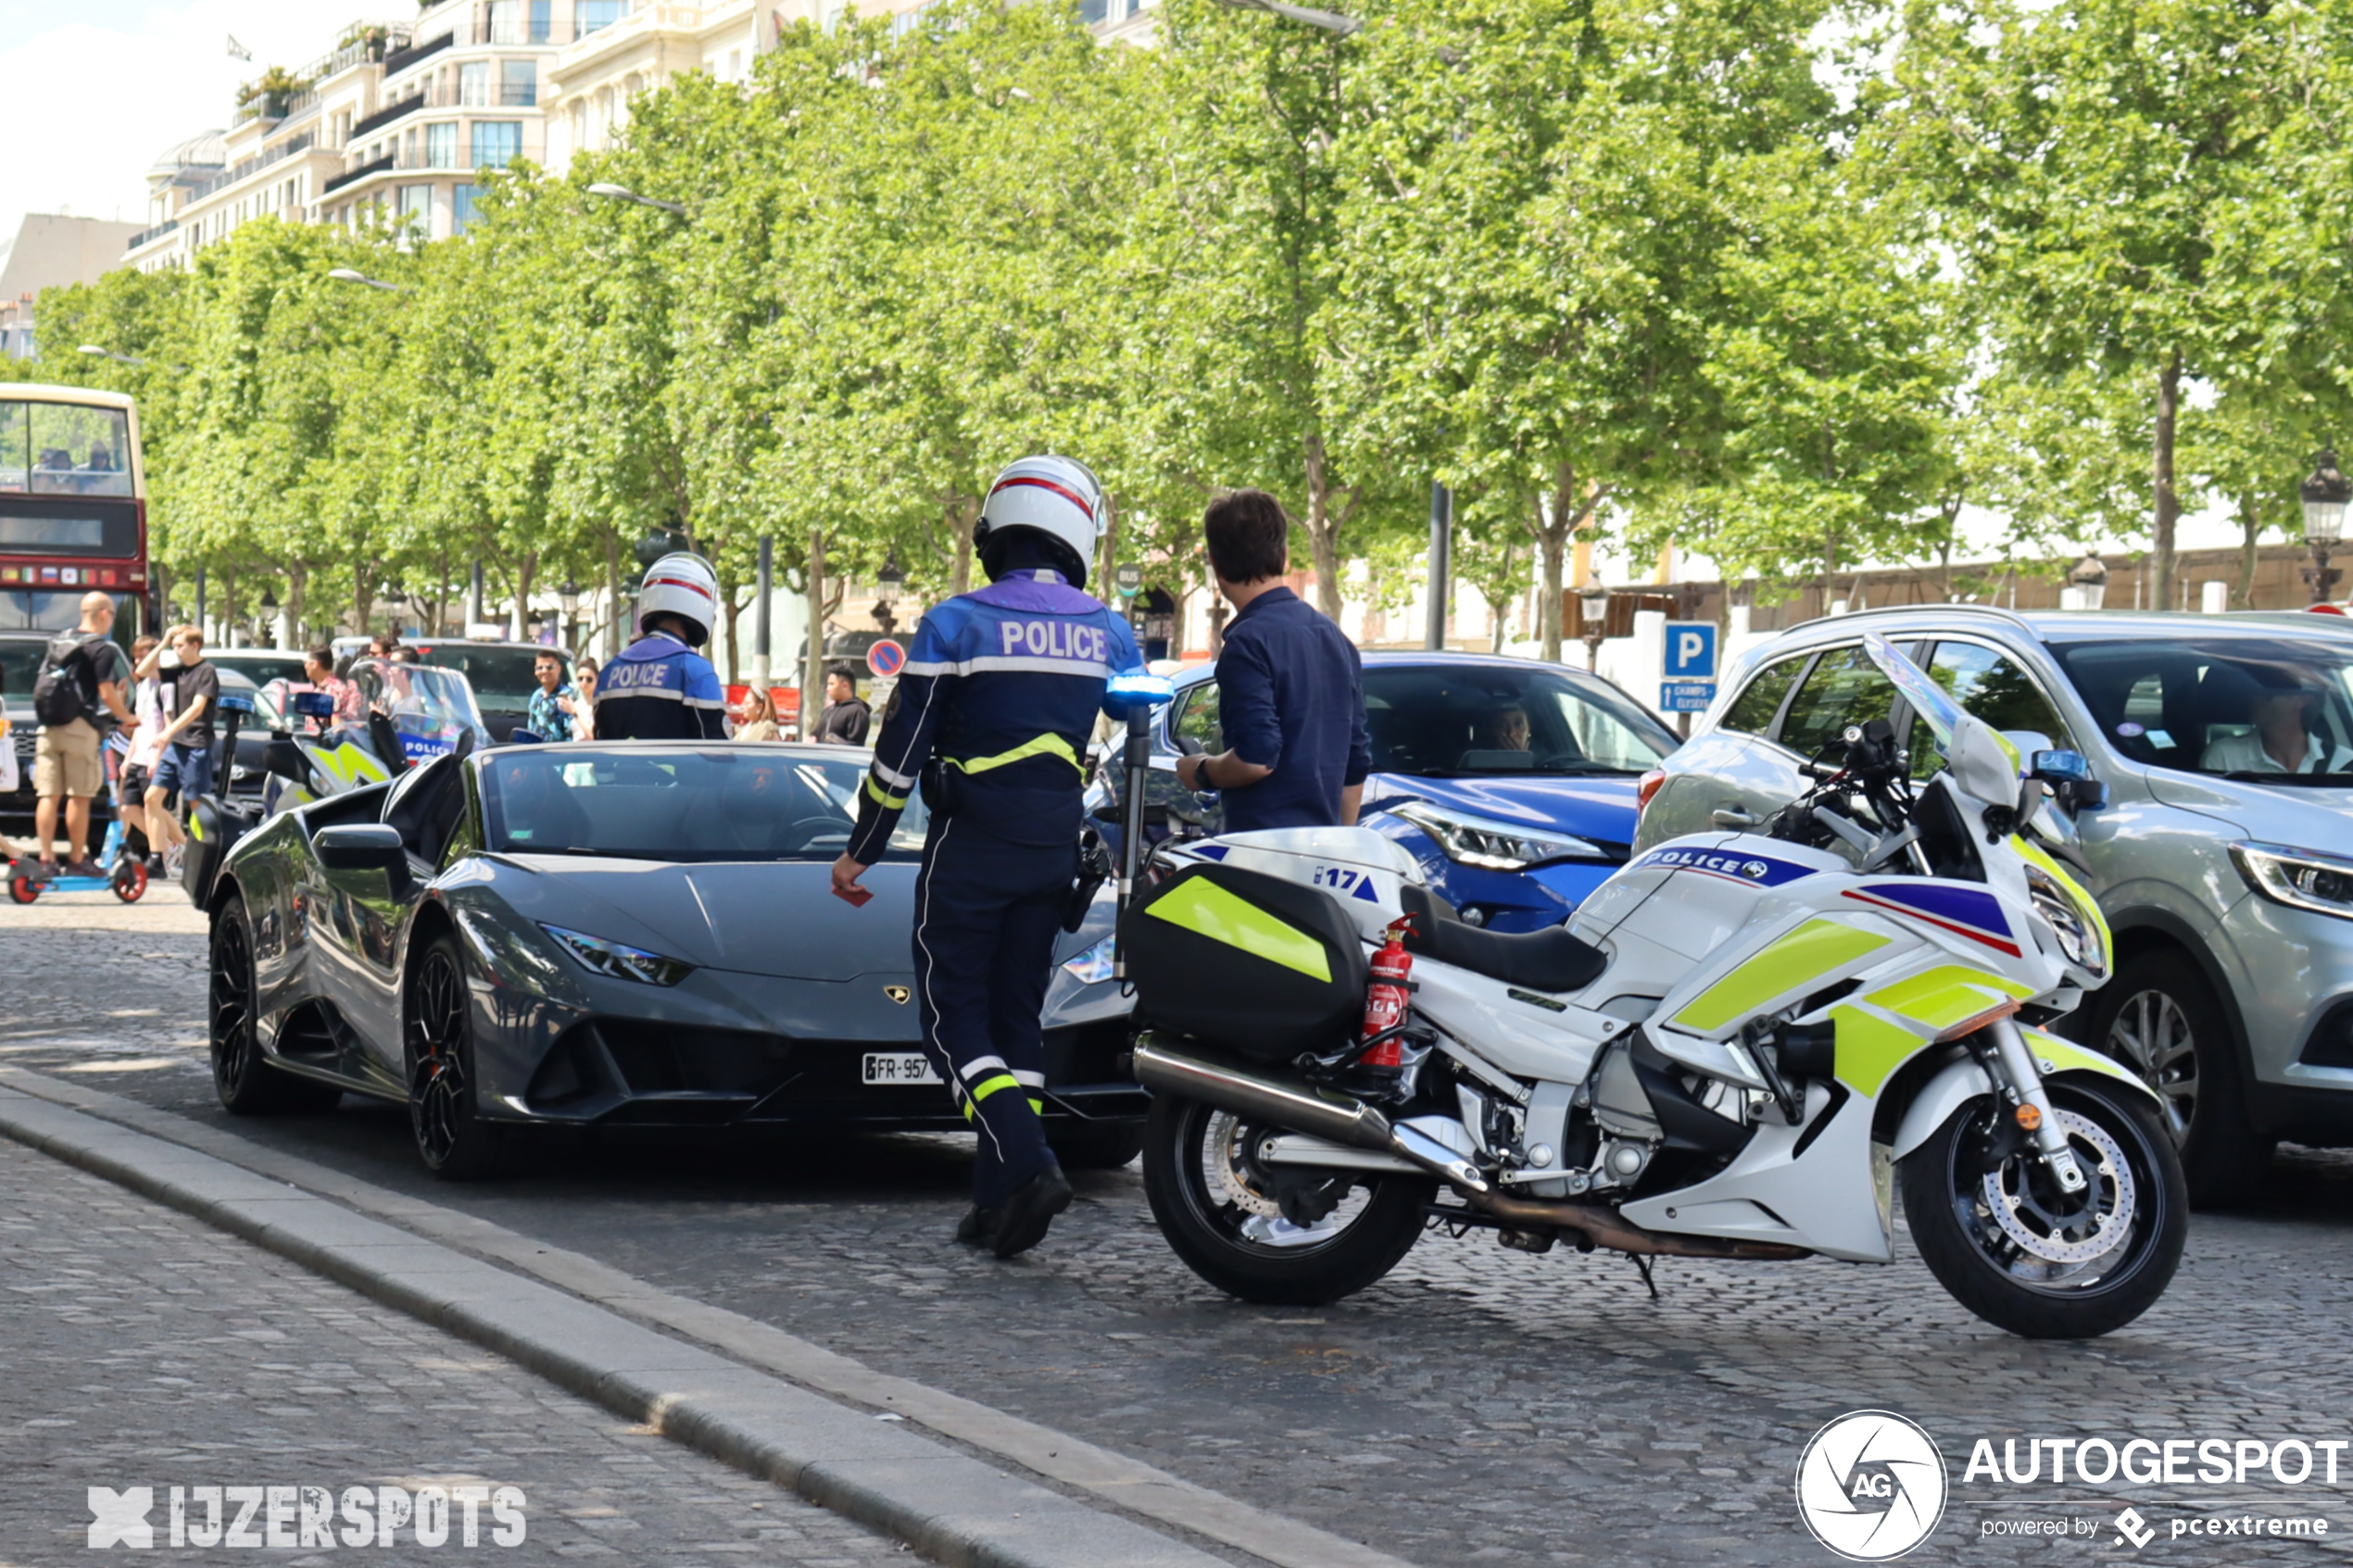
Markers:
point(386, 115)
point(251, 165)
point(353, 176)
point(399, 60)
point(169, 225)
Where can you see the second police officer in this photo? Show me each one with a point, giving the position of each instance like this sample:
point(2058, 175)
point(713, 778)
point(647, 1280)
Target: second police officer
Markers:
point(992, 714)
point(659, 687)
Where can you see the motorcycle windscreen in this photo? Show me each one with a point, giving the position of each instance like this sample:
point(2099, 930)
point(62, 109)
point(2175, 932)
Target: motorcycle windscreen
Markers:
point(1262, 967)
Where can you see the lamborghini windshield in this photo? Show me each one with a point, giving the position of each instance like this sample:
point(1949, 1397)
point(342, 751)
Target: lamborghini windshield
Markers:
point(717, 803)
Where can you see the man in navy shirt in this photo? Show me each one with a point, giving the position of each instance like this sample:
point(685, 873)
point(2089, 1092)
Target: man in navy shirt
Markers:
point(1291, 686)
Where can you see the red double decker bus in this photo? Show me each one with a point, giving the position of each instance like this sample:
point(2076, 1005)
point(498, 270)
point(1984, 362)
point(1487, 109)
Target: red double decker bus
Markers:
point(73, 507)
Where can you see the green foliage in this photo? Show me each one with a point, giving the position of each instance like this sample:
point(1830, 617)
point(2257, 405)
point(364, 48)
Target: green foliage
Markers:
point(1776, 281)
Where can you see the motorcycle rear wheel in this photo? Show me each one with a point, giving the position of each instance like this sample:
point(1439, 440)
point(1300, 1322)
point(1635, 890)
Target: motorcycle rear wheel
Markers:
point(1215, 1208)
point(2007, 1246)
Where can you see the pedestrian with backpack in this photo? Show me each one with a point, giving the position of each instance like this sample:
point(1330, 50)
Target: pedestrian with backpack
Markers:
point(78, 697)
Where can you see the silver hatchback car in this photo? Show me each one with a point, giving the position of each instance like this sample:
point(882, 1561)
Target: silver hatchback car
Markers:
point(2223, 854)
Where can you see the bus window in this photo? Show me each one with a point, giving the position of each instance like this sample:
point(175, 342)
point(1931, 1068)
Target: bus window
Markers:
point(16, 456)
point(77, 450)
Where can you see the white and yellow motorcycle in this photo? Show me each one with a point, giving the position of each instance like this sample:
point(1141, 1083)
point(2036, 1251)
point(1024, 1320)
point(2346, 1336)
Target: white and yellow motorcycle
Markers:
point(1736, 1048)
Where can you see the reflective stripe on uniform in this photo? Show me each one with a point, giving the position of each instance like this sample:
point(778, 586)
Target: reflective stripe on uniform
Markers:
point(889, 802)
point(981, 1064)
point(892, 776)
point(1094, 669)
point(1043, 745)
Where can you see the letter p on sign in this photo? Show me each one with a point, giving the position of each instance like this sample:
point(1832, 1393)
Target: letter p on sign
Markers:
point(1691, 650)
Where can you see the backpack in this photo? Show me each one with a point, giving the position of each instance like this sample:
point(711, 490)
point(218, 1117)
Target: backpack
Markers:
point(56, 695)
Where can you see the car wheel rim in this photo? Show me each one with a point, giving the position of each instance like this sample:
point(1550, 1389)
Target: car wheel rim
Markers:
point(231, 1007)
point(436, 1069)
point(2153, 1034)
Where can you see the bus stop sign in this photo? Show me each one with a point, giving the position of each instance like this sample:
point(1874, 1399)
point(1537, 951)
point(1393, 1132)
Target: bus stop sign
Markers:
point(1128, 579)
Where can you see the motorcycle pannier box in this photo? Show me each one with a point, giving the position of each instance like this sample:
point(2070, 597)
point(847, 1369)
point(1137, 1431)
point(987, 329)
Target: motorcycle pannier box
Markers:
point(1262, 967)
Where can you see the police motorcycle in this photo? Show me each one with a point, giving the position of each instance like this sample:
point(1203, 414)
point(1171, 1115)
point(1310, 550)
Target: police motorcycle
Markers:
point(1737, 1049)
point(410, 713)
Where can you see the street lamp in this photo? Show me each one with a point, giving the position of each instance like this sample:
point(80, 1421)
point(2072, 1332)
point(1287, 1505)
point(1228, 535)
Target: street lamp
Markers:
point(91, 348)
point(2088, 577)
point(888, 581)
point(352, 275)
point(1592, 608)
point(1330, 21)
point(568, 596)
point(2325, 495)
point(624, 194)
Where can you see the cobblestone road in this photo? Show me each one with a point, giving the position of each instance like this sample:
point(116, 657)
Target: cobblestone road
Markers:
point(1479, 1406)
point(147, 1350)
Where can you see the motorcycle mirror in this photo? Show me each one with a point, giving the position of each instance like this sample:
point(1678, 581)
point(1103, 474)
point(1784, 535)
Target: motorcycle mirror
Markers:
point(285, 758)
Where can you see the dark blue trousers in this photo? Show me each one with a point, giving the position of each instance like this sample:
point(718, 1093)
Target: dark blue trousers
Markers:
point(987, 911)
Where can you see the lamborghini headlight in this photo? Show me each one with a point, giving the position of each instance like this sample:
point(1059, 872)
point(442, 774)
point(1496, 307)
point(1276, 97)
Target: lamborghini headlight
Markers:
point(2304, 878)
point(617, 961)
point(2079, 937)
point(1498, 846)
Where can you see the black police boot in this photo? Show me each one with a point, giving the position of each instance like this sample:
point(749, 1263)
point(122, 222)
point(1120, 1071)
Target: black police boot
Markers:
point(978, 1227)
point(1030, 1210)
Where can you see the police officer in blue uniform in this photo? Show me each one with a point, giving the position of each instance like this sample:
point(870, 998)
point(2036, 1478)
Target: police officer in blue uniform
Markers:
point(992, 714)
point(659, 687)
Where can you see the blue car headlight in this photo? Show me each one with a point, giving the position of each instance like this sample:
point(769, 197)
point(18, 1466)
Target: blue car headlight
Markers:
point(1497, 846)
point(1093, 966)
point(617, 961)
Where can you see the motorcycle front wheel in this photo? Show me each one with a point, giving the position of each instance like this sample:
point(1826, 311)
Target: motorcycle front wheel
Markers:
point(1223, 1214)
point(1997, 1232)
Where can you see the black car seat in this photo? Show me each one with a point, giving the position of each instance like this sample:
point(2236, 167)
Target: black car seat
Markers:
point(1550, 960)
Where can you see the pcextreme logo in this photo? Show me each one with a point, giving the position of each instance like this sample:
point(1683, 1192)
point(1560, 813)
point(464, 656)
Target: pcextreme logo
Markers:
point(1870, 1486)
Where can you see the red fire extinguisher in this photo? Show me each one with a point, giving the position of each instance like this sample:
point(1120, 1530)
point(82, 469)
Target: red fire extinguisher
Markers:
point(1386, 998)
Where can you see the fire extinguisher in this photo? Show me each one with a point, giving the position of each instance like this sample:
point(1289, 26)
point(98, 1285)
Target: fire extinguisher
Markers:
point(1386, 998)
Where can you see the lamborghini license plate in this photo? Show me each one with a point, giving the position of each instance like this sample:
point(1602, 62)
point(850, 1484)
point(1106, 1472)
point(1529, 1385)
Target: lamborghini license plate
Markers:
point(899, 1067)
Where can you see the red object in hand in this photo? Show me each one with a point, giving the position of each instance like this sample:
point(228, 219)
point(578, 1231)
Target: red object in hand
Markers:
point(1386, 999)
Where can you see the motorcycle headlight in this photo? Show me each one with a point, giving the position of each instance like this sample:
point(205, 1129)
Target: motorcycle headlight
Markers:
point(1498, 846)
point(2079, 938)
point(1093, 966)
point(617, 961)
point(2305, 878)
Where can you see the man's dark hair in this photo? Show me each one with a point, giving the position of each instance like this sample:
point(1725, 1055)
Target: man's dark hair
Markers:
point(323, 657)
point(1249, 536)
point(845, 672)
point(547, 653)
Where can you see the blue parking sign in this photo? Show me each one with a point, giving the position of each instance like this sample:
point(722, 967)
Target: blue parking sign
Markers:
point(1691, 650)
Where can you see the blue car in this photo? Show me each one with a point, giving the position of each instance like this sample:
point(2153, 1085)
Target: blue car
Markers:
point(1513, 782)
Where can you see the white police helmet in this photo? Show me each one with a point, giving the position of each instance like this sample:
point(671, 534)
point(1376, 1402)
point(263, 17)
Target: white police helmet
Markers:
point(682, 585)
point(1055, 498)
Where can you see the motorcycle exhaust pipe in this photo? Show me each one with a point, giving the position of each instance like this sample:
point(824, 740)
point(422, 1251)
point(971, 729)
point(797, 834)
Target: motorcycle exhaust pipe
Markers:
point(1607, 1227)
point(1325, 1114)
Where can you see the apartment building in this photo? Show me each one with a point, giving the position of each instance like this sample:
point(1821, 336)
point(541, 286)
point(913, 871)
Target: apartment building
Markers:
point(398, 120)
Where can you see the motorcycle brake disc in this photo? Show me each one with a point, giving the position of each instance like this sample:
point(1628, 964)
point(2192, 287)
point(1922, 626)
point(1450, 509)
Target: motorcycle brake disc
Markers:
point(2040, 1233)
point(1231, 1178)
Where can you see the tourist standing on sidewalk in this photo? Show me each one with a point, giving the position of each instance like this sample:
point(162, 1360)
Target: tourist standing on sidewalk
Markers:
point(549, 713)
point(184, 770)
point(77, 697)
point(845, 717)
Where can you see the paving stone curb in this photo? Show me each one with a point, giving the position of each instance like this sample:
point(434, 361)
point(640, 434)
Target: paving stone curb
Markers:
point(947, 1505)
